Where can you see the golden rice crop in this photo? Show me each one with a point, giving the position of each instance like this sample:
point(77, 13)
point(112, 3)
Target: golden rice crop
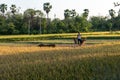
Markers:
point(89, 62)
point(18, 49)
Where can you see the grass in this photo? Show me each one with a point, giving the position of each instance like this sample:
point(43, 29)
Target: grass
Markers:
point(94, 62)
point(22, 59)
point(67, 36)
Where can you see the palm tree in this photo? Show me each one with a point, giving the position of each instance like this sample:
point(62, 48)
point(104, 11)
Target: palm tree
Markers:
point(39, 15)
point(73, 13)
point(13, 9)
point(47, 7)
point(67, 13)
point(29, 15)
point(112, 13)
point(3, 8)
point(86, 12)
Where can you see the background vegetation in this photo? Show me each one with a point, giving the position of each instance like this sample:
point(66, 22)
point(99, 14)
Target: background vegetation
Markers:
point(33, 21)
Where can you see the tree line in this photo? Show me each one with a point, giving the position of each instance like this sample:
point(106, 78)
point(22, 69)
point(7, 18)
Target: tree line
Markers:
point(35, 22)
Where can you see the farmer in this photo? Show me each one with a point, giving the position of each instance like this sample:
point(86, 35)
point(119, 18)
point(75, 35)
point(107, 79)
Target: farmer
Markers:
point(79, 38)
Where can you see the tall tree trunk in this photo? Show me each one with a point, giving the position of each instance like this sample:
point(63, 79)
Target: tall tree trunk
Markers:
point(47, 24)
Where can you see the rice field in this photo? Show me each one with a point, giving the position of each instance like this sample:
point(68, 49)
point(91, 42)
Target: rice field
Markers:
point(95, 60)
point(64, 36)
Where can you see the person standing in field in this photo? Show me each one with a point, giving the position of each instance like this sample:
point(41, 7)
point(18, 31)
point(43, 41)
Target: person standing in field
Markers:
point(79, 38)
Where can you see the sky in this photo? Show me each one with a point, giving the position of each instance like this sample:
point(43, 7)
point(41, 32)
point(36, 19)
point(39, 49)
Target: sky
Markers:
point(96, 7)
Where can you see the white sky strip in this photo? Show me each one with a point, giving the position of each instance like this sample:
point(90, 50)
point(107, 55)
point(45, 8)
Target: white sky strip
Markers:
point(96, 7)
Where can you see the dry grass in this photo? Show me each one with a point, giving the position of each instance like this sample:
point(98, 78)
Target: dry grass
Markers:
point(7, 50)
point(21, 49)
point(89, 62)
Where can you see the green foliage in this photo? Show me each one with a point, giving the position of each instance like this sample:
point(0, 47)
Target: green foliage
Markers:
point(3, 8)
point(47, 7)
point(112, 13)
point(85, 14)
point(13, 9)
point(11, 28)
point(69, 13)
point(34, 21)
point(82, 24)
point(100, 23)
